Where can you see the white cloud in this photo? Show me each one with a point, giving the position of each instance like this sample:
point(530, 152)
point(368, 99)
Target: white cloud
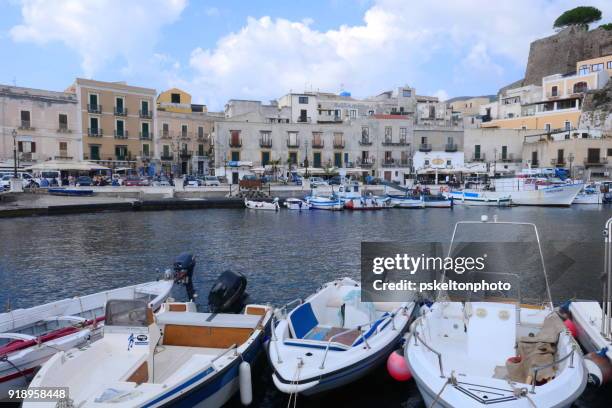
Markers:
point(99, 30)
point(398, 42)
point(441, 94)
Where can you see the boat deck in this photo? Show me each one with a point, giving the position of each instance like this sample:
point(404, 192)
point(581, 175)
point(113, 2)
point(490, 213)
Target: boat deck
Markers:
point(170, 359)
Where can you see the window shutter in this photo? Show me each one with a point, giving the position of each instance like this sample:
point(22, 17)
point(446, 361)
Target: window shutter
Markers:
point(20, 147)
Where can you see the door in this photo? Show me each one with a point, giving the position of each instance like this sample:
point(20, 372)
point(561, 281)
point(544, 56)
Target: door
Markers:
point(184, 167)
point(593, 156)
point(387, 176)
point(265, 158)
point(316, 159)
point(235, 179)
point(94, 152)
point(338, 160)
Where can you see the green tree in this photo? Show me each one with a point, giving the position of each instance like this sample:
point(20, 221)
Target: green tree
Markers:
point(607, 26)
point(580, 16)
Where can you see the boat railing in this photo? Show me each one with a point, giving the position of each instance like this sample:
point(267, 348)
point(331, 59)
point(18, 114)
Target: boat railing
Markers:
point(224, 352)
point(283, 308)
point(535, 369)
point(331, 339)
point(417, 338)
point(606, 316)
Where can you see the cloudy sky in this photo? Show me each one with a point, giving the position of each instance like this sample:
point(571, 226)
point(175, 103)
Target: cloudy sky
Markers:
point(261, 49)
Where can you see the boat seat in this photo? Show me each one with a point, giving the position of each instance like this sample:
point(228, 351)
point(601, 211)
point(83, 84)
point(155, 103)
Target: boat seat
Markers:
point(208, 319)
point(302, 320)
point(491, 324)
point(321, 333)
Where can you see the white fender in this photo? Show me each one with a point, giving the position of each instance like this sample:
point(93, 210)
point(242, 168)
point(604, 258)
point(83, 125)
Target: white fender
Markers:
point(246, 388)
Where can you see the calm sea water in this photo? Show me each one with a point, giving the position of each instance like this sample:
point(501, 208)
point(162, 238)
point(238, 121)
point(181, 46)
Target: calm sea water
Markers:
point(284, 255)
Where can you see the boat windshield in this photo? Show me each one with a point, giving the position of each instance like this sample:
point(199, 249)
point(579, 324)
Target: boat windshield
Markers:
point(128, 313)
point(507, 264)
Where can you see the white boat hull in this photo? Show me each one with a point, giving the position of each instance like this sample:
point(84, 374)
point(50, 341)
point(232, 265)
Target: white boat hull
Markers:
point(325, 204)
point(296, 204)
point(479, 199)
point(555, 195)
point(399, 202)
point(593, 198)
point(587, 317)
point(262, 205)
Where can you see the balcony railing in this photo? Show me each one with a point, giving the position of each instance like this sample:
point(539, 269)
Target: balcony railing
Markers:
point(165, 134)
point(62, 156)
point(145, 135)
point(390, 142)
point(595, 161)
point(478, 157)
point(185, 154)
point(293, 144)
point(265, 142)
point(425, 147)
point(121, 111)
point(145, 114)
point(558, 162)
point(535, 163)
point(26, 125)
point(509, 158)
point(121, 135)
point(28, 156)
point(304, 119)
point(95, 132)
point(367, 162)
point(185, 135)
point(338, 144)
point(389, 163)
point(92, 108)
point(63, 129)
point(318, 144)
point(450, 147)
point(167, 157)
point(235, 143)
point(365, 141)
point(329, 118)
point(145, 156)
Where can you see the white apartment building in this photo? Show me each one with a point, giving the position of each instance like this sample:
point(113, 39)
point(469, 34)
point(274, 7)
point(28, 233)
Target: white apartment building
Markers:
point(41, 124)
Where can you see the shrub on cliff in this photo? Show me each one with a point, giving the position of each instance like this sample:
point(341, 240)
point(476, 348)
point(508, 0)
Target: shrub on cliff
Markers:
point(579, 16)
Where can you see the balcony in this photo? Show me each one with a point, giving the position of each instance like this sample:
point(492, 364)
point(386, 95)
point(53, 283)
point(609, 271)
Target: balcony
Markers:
point(63, 156)
point(145, 114)
point(265, 143)
point(63, 129)
point(146, 135)
point(235, 143)
point(367, 162)
point(121, 134)
point(27, 156)
point(167, 157)
point(318, 144)
point(450, 147)
point(94, 132)
point(293, 144)
point(365, 141)
point(509, 158)
point(186, 135)
point(425, 147)
point(535, 163)
point(185, 154)
point(165, 134)
point(304, 119)
point(145, 156)
point(26, 125)
point(338, 144)
point(558, 162)
point(389, 163)
point(478, 158)
point(327, 118)
point(92, 108)
point(595, 161)
point(390, 142)
point(121, 111)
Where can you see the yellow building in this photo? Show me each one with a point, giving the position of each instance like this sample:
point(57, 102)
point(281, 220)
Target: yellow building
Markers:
point(184, 140)
point(117, 122)
point(595, 64)
point(544, 121)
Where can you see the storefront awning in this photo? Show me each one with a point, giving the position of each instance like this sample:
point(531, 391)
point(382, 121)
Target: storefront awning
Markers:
point(66, 165)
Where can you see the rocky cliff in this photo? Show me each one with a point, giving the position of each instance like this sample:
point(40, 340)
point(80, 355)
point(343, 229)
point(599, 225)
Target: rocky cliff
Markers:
point(597, 110)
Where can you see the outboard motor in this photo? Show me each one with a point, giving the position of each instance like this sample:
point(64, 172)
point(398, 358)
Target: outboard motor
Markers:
point(227, 293)
point(184, 265)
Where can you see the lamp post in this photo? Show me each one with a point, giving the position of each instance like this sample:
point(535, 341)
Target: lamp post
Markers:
point(571, 160)
point(14, 153)
point(306, 160)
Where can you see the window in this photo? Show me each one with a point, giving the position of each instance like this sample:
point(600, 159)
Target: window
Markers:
point(424, 140)
point(293, 158)
point(183, 130)
point(554, 91)
point(303, 100)
point(63, 121)
point(406, 93)
point(25, 119)
point(597, 67)
point(119, 106)
point(200, 132)
point(145, 130)
point(26, 147)
point(200, 150)
point(504, 153)
point(338, 140)
point(477, 151)
point(609, 65)
point(94, 152)
point(93, 102)
point(166, 151)
point(353, 113)
point(292, 140)
point(547, 127)
point(145, 150)
point(593, 156)
point(388, 134)
point(560, 154)
point(317, 139)
point(235, 138)
point(121, 152)
point(568, 125)
point(403, 134)
point(316, 162)
point(365, 133)
point(609, 152)
point(93, 126)
point(119, 128)
point(584, 69)
point(534, 158)
point(580, 87)
point(303, 116)
point(144, 109)
point(165, 129)
point(388, 157)
point(338, 160)
point(426, 162)
point(265, 138)
point(265, 158)
point(175, 98)
point(235, 156)
point(63, 149)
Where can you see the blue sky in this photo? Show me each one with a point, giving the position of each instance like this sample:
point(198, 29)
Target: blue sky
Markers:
point(218, 50)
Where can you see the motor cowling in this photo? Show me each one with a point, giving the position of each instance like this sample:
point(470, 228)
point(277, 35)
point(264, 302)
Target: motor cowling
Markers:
point(184, 265)
point(227, 293)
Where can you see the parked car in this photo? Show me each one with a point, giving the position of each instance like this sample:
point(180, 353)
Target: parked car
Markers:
point(5, 183)
point(335, 181)
point(161, 181)
point(211, 181)
point(317, 182)
point(84, 181)
point(132, 181)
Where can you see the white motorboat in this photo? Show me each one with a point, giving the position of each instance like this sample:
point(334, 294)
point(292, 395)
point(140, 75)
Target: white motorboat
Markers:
point(353, 199)
point(333, 338)
point(594, 323)
point(437, 201)
point(177, 357)
point(535, 191)
point(481, 198)
point(499, 352)
point(406, 201)
point(262, 205)
point(33, 335)
point(296, 204)
point(331, 203)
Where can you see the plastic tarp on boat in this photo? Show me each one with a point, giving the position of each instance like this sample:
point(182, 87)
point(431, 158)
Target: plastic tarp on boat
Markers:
point(66, 165)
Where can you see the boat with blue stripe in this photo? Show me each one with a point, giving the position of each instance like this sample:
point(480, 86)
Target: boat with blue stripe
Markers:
point(480, 198)
point(333, 338)
point(177, 357)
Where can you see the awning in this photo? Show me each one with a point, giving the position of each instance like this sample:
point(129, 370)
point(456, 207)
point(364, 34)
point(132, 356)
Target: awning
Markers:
point(66, 165)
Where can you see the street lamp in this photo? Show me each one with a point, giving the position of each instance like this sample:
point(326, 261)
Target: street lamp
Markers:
point(14, 153)
point(306, 159)
point(571, 160)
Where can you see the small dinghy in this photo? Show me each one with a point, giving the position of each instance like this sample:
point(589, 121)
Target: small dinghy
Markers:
point(333, 338)
point(262, 205)
point(496, 350)
point(33, 335)
point(437, 201)
point(594, 323)
point(177, 357)
point(350, 194)
point(481, 198)
point(296, 204)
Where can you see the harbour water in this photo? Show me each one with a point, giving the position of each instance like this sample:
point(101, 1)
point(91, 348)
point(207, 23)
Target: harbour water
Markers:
point(284, 255)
